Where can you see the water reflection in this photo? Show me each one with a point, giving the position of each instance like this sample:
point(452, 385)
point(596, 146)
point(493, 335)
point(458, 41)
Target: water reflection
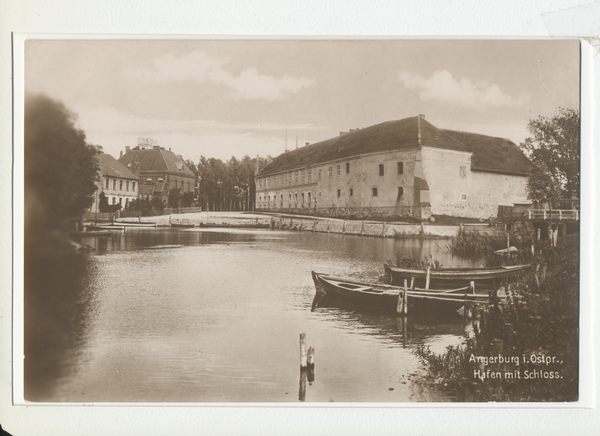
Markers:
point(190, 316)
point(57, 303)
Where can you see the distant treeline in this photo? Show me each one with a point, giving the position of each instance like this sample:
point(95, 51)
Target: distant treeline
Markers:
point(226, 185)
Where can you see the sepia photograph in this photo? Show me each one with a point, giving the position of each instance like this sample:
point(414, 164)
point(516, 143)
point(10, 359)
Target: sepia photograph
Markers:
point(293, 221)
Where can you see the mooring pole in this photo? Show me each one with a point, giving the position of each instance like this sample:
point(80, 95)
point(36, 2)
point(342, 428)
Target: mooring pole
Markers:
point(303, 357)
point(427, 277)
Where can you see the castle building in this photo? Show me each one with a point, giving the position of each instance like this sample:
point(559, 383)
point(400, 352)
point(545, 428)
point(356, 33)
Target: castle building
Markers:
point(401, 168)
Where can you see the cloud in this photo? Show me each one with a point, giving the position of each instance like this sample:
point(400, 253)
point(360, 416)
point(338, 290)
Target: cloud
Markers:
point(441, 86)
point(199, 67)
point(114, 130)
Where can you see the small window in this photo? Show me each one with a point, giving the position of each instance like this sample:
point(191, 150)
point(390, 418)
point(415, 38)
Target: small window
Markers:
point(463, 197)
point(114, 185)
point(400, 167)
point(107, 183)
point(400, 192)
point(320, 174)
point(330, 171)
point(339, 193)
point(309, 175)
point(347, 167)
point(381, 169)
point(120, 185)
point(374, 192)
point(462, 172)
point(133, 186)
point(302, 176)
point(127, 185)
point(351, 192)
point(296, 176)
point(339, 169)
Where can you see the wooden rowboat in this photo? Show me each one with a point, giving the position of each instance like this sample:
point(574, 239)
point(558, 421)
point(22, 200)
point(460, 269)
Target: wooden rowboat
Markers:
point(107, 227)
point(397, 275)
point(368, 295)
point(134, 224)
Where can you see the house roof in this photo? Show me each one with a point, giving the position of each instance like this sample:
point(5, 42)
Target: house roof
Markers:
point(494, 154)
point(488, 153)
point(110, 167)
point(156, 160)
point(390, 135)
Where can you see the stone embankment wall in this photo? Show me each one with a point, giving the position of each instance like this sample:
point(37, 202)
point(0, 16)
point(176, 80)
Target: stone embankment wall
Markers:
point(363, 228)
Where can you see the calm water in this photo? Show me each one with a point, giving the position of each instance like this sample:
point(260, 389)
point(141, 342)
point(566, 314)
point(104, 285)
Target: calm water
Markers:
point(195, 316)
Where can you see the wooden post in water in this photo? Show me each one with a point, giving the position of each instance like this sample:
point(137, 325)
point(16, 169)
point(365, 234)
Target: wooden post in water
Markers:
point(412, 283)
point(310, 357)
point(427, 277)
point(328, 226)
point(539, 233)
point(405, 301)
point(362, 228)
point(400, 303)
point(303, 357)
point(301, 225)
point(344, 228)
point(311, 365)
point(383, 230)
point(537, 276)
point(460, 229)
point(507, 244)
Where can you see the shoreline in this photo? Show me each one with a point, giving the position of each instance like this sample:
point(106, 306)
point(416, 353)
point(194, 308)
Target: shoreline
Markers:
point(381, 229)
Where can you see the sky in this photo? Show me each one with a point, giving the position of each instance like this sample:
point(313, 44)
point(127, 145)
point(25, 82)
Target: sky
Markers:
point(224, 98)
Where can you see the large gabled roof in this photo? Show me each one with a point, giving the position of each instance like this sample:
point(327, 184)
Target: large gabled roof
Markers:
point(493, 154)
point(488, 153)
point(390, 135)
point(110, 167)
point(157, 160)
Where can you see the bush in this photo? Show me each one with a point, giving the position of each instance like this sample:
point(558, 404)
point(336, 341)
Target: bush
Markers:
point(545, 322)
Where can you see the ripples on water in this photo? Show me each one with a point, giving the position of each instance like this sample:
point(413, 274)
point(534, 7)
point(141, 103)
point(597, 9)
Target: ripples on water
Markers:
point(193, 316)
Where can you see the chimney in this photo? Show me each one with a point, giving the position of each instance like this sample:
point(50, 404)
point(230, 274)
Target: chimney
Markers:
point(422, 116)
point(121, 155)
point(307, 144)
point(343, 133)
point(126, 149)
point(169, 148)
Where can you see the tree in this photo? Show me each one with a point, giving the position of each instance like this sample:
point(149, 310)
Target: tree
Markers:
point(174, 197)
point(555, 151)
point(61, 169)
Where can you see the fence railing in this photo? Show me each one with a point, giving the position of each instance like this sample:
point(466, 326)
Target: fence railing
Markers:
point(554, 215)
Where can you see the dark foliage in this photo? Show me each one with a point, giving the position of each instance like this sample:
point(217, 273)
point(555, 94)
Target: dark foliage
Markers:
point(555, 150)
point(60, 167)
point(537, 318)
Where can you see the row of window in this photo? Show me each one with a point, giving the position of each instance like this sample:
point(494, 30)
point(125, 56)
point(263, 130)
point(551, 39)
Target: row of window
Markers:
point(305, 176)
point(374, 193)
point(176, 183)
point(114, 184)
